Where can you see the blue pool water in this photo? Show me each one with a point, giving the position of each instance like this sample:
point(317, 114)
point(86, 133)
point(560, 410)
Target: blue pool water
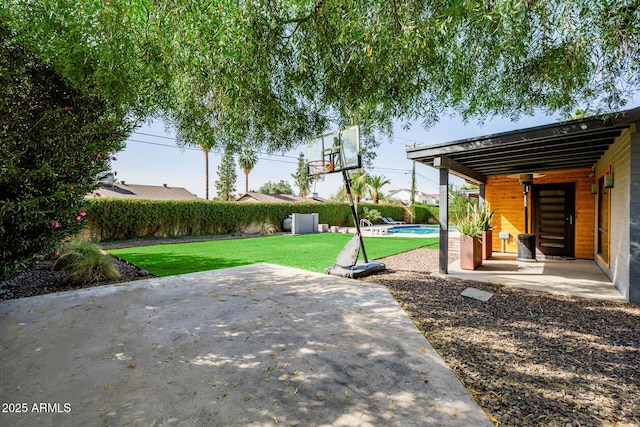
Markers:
point(416, 229)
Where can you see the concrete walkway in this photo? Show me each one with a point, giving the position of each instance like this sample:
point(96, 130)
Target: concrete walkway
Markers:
point(579, 277)
point(260, 345)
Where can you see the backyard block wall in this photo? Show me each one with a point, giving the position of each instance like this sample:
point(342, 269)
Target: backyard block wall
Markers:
point(505, 195)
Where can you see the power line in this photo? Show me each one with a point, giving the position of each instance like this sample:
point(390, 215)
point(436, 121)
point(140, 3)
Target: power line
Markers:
point(389, 169)
point(214, 151)
point(163, 145)
point(415, 141)
point(185, 147)
point(156, 136)
point(427, 178)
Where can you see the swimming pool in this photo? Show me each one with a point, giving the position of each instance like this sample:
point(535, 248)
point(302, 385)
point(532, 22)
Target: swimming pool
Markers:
point(416, 229)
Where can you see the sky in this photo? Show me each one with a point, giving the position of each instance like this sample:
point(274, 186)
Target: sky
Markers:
point(151, 157)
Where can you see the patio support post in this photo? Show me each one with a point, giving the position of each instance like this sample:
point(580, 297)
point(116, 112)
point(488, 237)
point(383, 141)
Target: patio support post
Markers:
point(444, 221)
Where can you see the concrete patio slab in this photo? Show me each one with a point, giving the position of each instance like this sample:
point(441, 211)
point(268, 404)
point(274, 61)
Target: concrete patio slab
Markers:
point(578, 277)
point(257, 345)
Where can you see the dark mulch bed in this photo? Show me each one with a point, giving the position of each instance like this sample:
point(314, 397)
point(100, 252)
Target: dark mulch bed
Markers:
point(44, 280)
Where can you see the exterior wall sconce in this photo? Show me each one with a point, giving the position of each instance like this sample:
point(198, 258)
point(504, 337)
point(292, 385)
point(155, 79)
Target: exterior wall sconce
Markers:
point(594, 188)
point(608, 180)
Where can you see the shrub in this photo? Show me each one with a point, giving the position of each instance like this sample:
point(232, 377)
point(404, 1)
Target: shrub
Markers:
point(386, 210)
point(54, 140)
point(424, 214)
point(85, 263)
point(459, 205)
point(372, 215)
point(469, 226)
point(485, 217)
point(117, 219)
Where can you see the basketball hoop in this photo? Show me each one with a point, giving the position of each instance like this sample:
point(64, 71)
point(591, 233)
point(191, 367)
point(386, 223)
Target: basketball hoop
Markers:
point(319, 167)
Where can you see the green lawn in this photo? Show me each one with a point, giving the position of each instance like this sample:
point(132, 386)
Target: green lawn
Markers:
point(313, 252)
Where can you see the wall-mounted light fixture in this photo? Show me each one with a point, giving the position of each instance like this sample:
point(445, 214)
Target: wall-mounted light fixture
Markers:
point(608, 180)
point(594, 188)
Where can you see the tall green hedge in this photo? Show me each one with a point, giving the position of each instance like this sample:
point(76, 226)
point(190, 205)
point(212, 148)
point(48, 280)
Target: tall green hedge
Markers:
point(424, 214)
point(116, 219)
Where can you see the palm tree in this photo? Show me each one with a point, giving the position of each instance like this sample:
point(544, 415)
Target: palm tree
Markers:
point(247, 161)
point(375, 184)
point(358, 185)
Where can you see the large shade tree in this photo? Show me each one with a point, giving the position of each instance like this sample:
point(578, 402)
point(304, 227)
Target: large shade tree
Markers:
point(280, 72)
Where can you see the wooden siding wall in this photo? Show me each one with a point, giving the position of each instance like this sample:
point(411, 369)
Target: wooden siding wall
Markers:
point(505, 195)
point(618, 156)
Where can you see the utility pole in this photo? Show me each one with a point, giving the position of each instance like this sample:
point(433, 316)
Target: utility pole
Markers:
point(413, 182)
point(413, 179)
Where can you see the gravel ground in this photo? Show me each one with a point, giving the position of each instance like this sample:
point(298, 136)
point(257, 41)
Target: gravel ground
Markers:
point(528, 358)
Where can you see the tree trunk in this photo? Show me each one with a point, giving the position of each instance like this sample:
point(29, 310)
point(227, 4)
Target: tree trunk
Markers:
point(206, 173)
point(246, 182)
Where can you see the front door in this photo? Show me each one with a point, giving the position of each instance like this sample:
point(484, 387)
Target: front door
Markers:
point(554, 218)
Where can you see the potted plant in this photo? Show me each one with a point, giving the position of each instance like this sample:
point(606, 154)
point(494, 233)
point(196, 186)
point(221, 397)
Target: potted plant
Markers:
point(470, 243)
point(484, 217)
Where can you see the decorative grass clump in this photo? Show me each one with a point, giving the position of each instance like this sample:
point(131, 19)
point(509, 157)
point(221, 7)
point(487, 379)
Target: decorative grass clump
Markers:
point(85, 263)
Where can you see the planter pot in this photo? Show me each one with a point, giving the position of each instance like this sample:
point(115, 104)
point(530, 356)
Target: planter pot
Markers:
point(487, 241)
point(470, 252)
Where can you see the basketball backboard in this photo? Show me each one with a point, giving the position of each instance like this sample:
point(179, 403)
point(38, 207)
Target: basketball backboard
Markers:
point(334, 152)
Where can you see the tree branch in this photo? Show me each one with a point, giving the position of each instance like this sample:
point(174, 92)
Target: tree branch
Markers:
point(304, 19)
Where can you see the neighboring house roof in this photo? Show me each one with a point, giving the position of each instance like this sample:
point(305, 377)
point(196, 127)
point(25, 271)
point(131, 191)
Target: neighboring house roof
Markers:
point(135, 191)
point(275, 198)
point(405, 194)
point(470, 193)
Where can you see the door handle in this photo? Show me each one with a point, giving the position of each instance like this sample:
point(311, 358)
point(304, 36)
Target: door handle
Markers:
point(570, 219)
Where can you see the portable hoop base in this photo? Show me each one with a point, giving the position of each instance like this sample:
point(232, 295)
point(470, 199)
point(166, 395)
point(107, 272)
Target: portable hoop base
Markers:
point(361, 269)
point(347, 264)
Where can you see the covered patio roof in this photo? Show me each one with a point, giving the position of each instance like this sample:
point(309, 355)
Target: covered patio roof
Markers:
point(568, 145)
point(559, 146)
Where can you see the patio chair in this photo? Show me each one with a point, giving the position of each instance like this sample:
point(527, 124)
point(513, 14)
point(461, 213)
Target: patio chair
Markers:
point(393, 221)
point(387, 221)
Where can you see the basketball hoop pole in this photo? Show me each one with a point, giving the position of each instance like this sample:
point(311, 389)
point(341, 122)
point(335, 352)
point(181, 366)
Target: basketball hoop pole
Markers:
point(354, 212)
